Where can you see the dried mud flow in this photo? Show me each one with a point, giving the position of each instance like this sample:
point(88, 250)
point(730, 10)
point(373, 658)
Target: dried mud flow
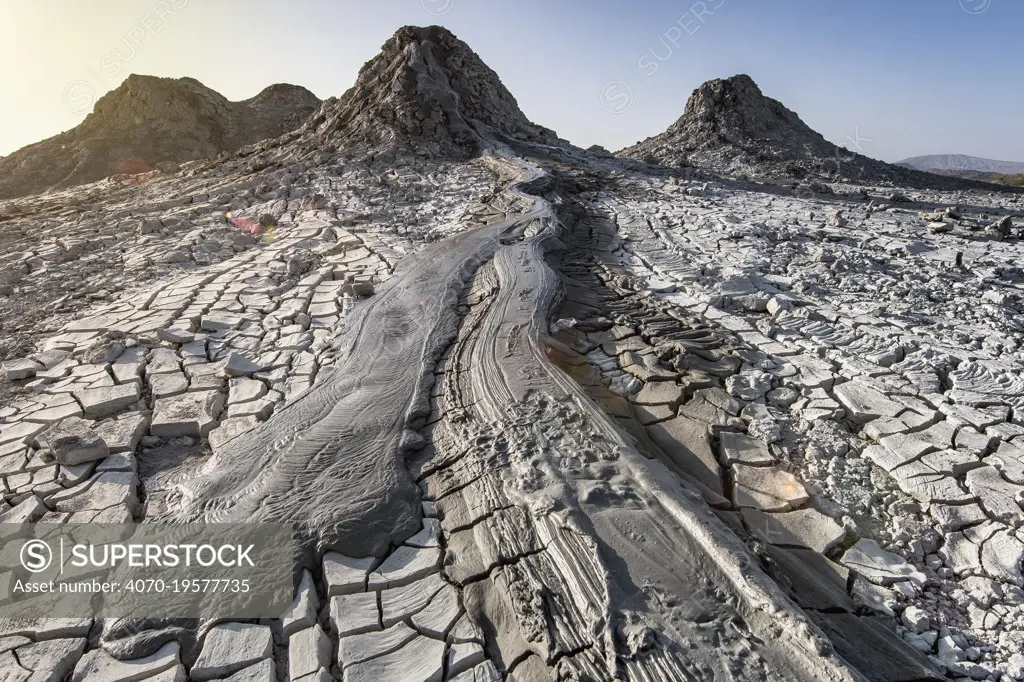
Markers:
point(535, 413)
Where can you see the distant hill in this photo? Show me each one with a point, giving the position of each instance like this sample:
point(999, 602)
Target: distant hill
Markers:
point(730, 126)
point(149, 121)
point(961, 162)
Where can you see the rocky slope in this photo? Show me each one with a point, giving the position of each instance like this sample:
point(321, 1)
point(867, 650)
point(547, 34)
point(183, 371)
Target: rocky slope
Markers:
point(148, 122)
point(730, 126)
point(426, 89)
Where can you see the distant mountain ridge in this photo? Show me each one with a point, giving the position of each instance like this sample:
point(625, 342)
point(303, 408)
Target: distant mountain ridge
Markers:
point(962, 162)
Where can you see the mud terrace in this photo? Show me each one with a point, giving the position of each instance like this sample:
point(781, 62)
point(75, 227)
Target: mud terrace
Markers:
point(534, 413)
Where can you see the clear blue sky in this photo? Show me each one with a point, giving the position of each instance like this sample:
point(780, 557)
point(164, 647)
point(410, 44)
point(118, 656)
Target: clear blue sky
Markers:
point(908, 76)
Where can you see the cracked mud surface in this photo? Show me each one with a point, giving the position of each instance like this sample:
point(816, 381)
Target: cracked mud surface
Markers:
point(535, 414)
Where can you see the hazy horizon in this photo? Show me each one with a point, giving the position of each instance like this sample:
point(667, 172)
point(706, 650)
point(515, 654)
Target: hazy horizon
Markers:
point(888, 81)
